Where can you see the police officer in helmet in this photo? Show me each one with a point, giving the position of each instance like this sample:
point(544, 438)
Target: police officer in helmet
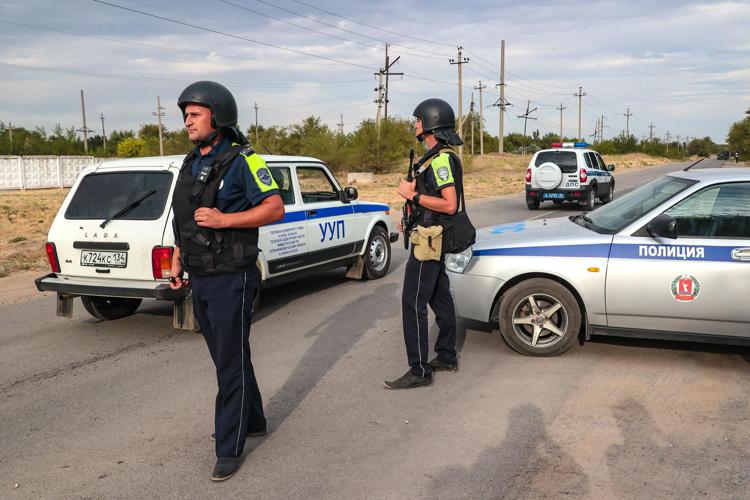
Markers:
point(224, 193)
point(434, 199)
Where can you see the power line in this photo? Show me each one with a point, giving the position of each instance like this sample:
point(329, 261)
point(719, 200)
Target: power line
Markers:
point(379, 28)
point(230, 35)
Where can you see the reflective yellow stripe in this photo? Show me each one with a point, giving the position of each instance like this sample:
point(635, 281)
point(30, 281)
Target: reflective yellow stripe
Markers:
point(262, 175)
point(441, 167)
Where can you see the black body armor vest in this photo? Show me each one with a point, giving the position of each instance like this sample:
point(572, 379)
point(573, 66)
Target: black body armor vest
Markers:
point(423, 216)
point(205, 251)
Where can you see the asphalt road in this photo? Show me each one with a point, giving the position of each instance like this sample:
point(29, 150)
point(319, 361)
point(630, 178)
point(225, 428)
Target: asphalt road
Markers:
point(124, 409)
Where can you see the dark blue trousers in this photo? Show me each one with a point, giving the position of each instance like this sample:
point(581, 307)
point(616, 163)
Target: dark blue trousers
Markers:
point(223, 308)
point(426, 282)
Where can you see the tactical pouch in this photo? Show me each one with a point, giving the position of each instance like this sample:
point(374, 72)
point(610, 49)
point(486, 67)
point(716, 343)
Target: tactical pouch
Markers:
point(428, 242)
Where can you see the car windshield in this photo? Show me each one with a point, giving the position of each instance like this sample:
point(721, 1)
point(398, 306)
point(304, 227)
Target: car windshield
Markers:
point(614, 216)
point(99, 196)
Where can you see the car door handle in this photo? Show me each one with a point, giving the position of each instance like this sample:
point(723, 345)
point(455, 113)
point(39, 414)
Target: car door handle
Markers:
point(312, 212)
point(742, 254)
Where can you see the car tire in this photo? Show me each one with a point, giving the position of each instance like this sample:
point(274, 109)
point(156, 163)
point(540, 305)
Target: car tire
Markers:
point(539, 317)
point(610, 194)
point(377, 257)
point(590, 198)
point(109, 308)
point(533, 205)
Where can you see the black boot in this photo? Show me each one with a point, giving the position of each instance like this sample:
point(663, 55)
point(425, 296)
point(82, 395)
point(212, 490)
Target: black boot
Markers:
point(225, 468)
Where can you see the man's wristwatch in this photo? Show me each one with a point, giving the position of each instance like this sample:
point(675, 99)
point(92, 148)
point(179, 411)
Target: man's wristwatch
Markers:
point(415, 198)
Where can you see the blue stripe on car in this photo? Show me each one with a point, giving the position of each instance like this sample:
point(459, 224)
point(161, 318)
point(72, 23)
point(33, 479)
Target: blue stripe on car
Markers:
point(620, 251)
point(301, 215)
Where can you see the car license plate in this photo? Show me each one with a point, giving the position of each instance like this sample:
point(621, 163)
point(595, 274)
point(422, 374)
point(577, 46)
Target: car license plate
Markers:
point(553, 195)
point(104, 259)
point(571, 184)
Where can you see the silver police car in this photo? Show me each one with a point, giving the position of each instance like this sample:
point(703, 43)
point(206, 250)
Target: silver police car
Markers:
point(669, 260)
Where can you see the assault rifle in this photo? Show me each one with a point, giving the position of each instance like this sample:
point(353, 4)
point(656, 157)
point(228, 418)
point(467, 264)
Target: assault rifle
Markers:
point(406, 212)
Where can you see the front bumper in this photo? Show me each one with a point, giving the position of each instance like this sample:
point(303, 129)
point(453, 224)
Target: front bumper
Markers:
point(557, 194)
point(394, 237)
point(69, 286)
point(473, 295)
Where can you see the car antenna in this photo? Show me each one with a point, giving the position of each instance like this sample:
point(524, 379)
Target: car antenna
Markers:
point(691, 166)
point(267, 150)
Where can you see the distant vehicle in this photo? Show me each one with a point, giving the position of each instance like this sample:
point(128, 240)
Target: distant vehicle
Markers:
point(111, 242)
point(568, 172)
point(723, 155)
point(669, 260)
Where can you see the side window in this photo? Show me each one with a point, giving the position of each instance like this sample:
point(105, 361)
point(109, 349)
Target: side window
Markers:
point(283, 178)
point(589, 163)
point(315, 185)
point(719, 211)
point(602, 166)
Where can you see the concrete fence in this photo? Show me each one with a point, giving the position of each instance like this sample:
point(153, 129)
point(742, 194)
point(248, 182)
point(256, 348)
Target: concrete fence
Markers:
point(39, 172)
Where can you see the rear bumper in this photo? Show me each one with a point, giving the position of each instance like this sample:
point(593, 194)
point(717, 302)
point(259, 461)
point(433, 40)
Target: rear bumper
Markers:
point(394, 237)
point(557, 194)
point(53, 283)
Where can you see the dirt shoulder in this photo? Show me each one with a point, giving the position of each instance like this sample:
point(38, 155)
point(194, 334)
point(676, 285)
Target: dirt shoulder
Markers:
point(25, 216)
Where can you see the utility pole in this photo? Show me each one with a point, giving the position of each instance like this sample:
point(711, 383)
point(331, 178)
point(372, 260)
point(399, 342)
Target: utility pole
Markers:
point(481, 117)
point(651, 132)
point(601, 134)
point(379, 100)
point(668, 136)
point(561, 116)
point(255, 107)
point(501, 101)
point(460, 61)
point(678, 142)
point(627, 116)
point(84, 129)
point(341, 125)
point(471, 118)
point(595, 135)
point(526, 118)
point(388, 65)
point(10, 134)
point(158, 114)
point(579, 95)
point(104, 134)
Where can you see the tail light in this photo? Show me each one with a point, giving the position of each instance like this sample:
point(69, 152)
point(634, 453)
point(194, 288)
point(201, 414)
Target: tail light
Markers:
point(54, 264)
point(161, 262)
point(584, 176)
point(528, 174)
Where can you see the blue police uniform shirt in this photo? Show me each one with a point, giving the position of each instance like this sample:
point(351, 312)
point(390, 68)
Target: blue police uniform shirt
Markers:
point(239, 189)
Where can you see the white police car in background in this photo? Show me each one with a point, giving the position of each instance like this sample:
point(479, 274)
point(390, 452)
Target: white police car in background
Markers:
point(111, 242)
point(669, 260)
point(568, 172)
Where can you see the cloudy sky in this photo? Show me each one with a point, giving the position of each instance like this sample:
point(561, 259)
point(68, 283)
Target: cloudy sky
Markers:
point(683, 66)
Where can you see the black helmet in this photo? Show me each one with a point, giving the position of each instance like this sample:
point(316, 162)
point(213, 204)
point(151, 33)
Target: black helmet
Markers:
point(214, 96)
point(435, 114)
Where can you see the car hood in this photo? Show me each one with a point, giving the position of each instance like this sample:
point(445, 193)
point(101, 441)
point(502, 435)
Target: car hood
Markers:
point(544, 233)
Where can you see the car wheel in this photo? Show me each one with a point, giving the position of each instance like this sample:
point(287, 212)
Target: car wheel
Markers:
point(533, 205)
point(377, 254)
point(590, 199)
point(109, 308)
point(539, 317)
point(610, 194)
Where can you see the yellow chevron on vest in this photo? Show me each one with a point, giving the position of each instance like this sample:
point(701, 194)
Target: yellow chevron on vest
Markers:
point(262, 175)
point(441, 167)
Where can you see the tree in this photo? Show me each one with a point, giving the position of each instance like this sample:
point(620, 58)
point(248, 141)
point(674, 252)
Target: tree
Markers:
point(702, 147)
point(131, 147)
point(738, 138)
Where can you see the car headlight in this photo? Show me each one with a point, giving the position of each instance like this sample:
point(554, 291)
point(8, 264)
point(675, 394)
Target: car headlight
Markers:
point(457, 262)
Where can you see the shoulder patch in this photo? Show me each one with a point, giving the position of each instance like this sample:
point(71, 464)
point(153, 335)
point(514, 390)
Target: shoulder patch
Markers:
point(441, 167)
point(262, 175)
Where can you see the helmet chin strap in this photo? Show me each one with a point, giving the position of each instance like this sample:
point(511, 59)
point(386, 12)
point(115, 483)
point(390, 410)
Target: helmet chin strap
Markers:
point(207, 142)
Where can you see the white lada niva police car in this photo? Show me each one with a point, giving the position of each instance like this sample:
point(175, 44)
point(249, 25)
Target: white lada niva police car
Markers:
point(669, 260)
point(112, 239)
point(568, 172)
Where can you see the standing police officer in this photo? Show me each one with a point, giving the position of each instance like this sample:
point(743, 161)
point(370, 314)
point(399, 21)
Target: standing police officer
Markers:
point(434, 199)
point(224, 194)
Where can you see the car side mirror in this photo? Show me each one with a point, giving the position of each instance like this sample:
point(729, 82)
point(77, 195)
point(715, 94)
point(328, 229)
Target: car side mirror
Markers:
point(350, 193)
point(611, 168)
point(663, 226)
